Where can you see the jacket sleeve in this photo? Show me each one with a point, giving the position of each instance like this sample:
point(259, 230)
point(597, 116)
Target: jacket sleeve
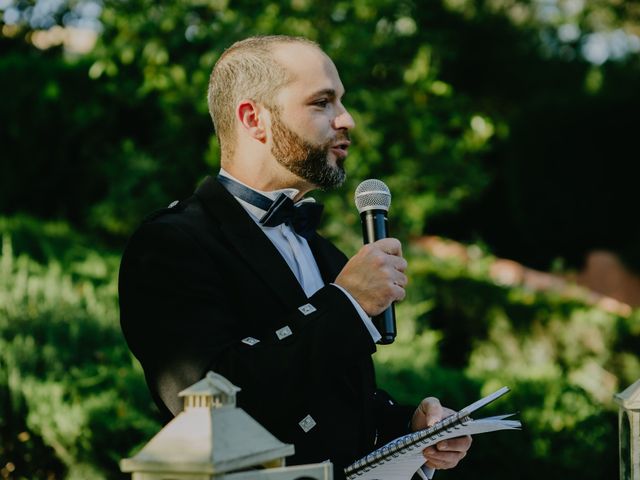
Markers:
point(392, 419)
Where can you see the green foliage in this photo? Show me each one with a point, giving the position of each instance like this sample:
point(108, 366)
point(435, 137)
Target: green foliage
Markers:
point(463, 107)
point(484, 119)
point(564, 361)
point(72, 399)
point(131, 119)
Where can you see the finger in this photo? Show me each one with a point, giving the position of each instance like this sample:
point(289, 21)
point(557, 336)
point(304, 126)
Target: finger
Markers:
point(432, 454)
point(447, 412)
point(399, 293)
point(399, 263)
point(392, 246)
point(400, 279)
point(432, 410)
point(459, 444)
point(442, 460)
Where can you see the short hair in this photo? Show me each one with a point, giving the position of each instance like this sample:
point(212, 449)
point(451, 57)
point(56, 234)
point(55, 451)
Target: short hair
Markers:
point(247, 69)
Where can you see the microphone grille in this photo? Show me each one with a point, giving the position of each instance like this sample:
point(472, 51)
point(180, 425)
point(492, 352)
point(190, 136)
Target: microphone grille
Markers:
point(372, 194)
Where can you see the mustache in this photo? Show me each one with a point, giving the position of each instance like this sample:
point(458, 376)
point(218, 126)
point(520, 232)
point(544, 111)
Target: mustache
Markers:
point(342, 137)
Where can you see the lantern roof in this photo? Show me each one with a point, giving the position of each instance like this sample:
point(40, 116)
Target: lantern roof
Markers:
point(212, 384)
point(208, 439)
point(629, 398)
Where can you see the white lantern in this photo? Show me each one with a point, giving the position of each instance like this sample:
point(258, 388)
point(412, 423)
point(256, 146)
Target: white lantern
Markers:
point(629, 431)
point(213, 439)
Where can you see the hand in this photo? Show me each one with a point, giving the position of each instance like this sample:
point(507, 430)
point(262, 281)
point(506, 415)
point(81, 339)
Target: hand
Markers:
point(375, 275)
point(447, 453)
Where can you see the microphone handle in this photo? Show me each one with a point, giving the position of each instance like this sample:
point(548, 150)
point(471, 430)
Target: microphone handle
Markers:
point(375, 227)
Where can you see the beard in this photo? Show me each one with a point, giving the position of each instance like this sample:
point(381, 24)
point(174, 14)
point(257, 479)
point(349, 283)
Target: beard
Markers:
point(307, 160)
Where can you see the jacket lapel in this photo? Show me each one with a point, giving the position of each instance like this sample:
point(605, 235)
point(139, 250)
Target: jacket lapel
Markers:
point(251, 243)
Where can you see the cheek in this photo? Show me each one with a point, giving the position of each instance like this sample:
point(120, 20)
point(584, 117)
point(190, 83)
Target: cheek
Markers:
point(312, 126)
point(323, 132)
point(315, 125)
point(308, 127)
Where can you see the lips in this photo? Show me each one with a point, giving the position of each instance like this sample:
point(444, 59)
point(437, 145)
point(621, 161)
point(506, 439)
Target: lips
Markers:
point(341, 149)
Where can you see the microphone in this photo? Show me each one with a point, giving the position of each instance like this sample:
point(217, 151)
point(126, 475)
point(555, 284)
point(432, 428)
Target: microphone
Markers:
point(373, 199)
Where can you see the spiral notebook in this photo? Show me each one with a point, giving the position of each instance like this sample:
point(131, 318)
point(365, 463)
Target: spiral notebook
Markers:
point(401, 458)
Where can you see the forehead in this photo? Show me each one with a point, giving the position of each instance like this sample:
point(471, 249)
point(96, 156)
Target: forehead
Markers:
point(311, 70)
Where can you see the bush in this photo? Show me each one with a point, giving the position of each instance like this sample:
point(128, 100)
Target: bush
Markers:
point(72, 398)
point(73, 401)
point(564, 360)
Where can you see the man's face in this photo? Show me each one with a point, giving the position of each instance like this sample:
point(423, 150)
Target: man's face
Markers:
point(310, 161)
point(310, 126)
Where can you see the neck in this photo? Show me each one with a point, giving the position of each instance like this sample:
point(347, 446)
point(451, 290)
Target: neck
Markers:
point(267, 176)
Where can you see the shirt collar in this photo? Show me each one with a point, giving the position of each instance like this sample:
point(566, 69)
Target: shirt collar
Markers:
point(257, 212)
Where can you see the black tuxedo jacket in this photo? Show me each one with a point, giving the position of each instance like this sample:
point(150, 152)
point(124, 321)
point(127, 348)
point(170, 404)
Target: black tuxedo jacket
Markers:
point(200, 282)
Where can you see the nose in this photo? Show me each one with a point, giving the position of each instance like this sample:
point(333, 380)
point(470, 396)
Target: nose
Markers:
point(344, 120)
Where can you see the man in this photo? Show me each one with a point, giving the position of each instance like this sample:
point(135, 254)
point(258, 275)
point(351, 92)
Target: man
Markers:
point(229, 281)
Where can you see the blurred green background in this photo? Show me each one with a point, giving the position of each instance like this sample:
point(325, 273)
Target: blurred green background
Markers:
point(509, 126)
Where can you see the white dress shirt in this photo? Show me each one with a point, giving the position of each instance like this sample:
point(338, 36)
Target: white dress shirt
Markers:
point(296, 252)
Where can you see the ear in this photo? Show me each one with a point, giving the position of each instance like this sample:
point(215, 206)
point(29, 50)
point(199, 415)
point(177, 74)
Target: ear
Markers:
point(252, 119)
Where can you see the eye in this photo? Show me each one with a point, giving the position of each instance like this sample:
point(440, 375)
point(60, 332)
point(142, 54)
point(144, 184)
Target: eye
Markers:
point(322, 103)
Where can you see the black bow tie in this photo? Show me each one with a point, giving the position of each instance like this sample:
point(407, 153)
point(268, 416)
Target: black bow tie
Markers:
point(304, 217)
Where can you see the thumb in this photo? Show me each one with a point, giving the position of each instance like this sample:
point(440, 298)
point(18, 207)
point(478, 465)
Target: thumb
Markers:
point(432, 410)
